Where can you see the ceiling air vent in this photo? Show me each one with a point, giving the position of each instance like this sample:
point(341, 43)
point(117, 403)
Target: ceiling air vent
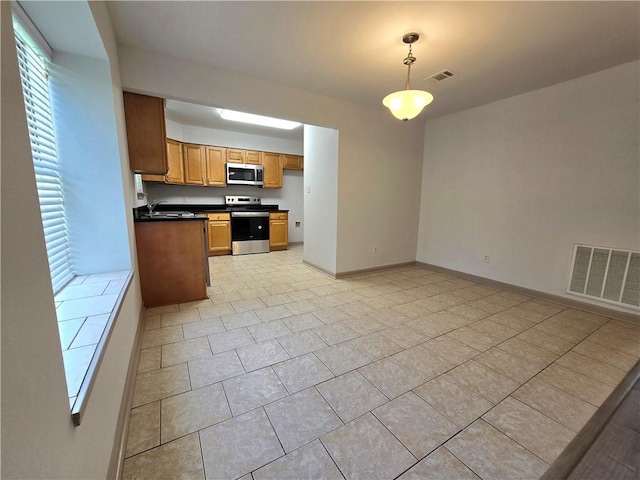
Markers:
point(610, 275)
point(443, 75)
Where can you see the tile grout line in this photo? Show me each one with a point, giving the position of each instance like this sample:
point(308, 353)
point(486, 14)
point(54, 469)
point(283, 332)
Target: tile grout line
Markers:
point(360, 335)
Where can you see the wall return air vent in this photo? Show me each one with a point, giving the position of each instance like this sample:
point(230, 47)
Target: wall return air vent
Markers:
point(611, 275)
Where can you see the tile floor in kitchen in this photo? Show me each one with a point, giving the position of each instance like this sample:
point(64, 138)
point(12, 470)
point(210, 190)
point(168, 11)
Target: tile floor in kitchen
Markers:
point(286, 373)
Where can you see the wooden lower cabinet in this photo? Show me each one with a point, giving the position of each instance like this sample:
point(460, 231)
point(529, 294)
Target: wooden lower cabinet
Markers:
point(171, 261)
point(278, 230)
point(219, 233)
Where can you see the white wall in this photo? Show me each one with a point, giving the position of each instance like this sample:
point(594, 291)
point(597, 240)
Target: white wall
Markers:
point(380, 158)
point(378, 194)
point(525, 178)
point(87, 141)
point(321, 196)
point(38, 436)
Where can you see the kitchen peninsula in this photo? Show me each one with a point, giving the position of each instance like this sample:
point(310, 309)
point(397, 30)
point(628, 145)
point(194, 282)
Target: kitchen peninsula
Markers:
point(172, 258)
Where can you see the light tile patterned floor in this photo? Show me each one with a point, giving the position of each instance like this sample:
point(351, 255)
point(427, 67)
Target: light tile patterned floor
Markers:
point(285, 373)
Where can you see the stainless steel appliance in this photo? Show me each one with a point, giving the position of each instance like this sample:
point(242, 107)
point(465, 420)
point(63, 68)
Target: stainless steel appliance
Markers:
point(242, 174)
point(249, 227)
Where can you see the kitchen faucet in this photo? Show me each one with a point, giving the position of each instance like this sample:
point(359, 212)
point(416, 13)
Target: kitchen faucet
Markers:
point(152, 204)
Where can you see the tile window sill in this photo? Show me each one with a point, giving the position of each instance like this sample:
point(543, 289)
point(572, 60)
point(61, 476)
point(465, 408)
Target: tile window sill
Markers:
point(87, 309)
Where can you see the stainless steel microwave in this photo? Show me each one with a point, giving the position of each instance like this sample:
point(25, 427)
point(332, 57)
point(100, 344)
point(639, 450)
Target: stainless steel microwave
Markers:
point(242, 174)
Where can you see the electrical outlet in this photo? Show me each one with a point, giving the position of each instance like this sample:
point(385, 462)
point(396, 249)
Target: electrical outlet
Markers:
point(297, 224)
point(486, 258)
point(374, 249)
point(308, 188)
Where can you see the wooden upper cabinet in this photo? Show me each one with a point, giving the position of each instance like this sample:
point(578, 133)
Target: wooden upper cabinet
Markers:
point(194, 163)
point(292, 162)
point(235, 155)
point(153, 177)
point(146, 133)
point(216, 172)
point(272, 164)
point(252, 157)
point(176, 166)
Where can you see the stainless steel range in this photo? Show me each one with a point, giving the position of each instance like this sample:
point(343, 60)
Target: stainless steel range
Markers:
point(249, 225)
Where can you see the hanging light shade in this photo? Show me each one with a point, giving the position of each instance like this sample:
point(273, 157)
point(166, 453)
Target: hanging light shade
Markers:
point(407, 104)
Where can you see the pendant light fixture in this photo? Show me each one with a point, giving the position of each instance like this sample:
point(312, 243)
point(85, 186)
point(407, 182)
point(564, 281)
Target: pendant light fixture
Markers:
point(407, 104)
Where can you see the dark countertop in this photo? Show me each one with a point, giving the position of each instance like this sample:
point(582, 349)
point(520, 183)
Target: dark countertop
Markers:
point(171, 211)
point(165, 217)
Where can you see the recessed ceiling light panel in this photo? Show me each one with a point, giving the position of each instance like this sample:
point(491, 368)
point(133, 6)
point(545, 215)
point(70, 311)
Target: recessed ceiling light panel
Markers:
point(258, 120)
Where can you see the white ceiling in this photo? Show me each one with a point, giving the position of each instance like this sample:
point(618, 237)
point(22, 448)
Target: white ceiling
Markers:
point(204, 116)
point(354, 50)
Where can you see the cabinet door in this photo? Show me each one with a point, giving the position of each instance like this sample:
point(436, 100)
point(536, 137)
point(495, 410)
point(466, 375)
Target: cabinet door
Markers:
point(144, 118)
point(172, 270)
point(194, 164)
point(254, 158)
point(176, 167)
point(151, 177)
point(215, 159)
point(219, 232)
point(235, 156)
point(272, 170)
point(292, 162)
point(278, 231)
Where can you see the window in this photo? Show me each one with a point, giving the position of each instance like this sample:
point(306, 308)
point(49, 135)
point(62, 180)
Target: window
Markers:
point(35, 88)
point(70, 111)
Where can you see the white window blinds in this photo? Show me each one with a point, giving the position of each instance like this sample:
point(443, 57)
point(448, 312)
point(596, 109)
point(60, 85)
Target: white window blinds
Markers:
point(37, 102)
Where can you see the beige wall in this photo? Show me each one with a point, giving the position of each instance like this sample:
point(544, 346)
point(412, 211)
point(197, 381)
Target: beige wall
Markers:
point(525, 178)
point(38, 436)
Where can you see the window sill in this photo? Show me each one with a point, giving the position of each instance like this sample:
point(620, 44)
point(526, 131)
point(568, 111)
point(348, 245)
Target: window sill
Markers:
point(87, 310)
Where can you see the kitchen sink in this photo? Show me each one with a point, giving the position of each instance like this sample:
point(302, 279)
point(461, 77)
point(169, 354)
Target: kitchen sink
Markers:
point(162, 215)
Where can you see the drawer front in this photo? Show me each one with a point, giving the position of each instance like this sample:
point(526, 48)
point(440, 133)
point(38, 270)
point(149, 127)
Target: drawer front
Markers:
point(278, 215)
point(219, 216)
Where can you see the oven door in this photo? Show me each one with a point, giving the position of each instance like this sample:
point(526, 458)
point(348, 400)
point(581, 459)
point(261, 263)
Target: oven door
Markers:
point(249, 232)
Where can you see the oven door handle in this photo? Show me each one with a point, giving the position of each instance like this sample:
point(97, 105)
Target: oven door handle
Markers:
point(249, 214)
